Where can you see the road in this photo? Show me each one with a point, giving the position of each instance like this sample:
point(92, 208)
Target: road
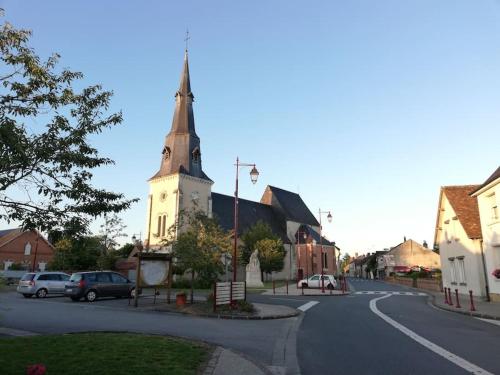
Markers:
point(359, 334)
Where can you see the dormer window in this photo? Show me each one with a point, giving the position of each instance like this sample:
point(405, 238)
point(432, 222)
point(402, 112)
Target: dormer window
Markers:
point(166, 152)
point(196, 155)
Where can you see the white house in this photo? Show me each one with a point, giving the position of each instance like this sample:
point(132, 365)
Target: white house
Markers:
point(458, 236)
point(488, 197)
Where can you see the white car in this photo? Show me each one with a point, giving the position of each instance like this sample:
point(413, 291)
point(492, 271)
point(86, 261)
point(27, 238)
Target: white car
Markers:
point(314, 281)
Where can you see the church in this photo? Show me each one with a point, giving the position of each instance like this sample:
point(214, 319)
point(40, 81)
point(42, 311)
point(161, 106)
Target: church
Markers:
point(182, 185)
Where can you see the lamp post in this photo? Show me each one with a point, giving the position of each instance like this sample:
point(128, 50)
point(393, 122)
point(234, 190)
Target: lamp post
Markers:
point(299, 232)
point(329, 217)
point(254, 175)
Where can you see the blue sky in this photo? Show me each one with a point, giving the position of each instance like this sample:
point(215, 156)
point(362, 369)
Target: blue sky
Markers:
point(363, 107)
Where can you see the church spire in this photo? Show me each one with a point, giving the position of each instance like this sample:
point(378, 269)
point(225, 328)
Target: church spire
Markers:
point(181, 152)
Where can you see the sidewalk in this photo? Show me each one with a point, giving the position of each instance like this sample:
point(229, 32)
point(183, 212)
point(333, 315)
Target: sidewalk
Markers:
point(227, 362)
point(485, 310)
point(294, 291)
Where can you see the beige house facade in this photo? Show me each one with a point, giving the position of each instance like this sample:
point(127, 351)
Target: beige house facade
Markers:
point(410, 254)
point(458, 236)
point(488, 199)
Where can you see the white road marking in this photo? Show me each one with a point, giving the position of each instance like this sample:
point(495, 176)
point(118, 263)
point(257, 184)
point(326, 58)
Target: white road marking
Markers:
point(287, 299)
point(307, 305)
point(459, 361)
point(393, 293)
point(496, 322)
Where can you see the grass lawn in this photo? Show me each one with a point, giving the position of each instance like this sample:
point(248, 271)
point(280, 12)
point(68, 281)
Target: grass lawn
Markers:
point(102, 353)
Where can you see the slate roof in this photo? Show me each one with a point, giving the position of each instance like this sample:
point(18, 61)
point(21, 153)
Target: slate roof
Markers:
point(465, 208)
point(292, 206)
point(313, 235)
point(493, 177)
point(250, 213)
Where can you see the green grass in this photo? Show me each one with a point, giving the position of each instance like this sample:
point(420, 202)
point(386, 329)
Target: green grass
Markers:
point(102, 353)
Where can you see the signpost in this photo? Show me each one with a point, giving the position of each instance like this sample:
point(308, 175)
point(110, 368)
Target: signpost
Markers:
point(228, 292)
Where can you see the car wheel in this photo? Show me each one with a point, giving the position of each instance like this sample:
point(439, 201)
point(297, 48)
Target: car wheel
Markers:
point(41, 293)
point(91, 296)
point(132, 293)
point(75, 299)
point(27, 295)
point(304, 285)
point(330, 286)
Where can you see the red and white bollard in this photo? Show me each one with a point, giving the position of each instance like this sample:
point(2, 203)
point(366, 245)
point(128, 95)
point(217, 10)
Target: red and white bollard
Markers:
point(287, 286)
point(446, 296)
point(450, 300)
point(302, 287)
point(458, 302)
point(472, 307)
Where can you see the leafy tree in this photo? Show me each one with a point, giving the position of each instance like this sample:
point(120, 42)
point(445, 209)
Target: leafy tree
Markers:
point(346, 259)
point(76, 254)
point(46, 160)
point(124, 251)
point(271, 255)
point(107, 261)
point(259, 231)
point(199, 247)
point(111, 230)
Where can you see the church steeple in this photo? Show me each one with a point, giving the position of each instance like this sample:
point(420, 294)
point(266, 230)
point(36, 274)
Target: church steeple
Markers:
point(181, 152)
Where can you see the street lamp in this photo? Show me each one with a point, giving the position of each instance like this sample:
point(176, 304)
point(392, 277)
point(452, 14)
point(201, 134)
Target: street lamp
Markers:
point(329, 218)
point(254, 175)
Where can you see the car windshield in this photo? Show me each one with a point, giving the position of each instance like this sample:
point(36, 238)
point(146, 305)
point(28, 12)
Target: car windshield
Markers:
point(76, 277)
point(28, 277)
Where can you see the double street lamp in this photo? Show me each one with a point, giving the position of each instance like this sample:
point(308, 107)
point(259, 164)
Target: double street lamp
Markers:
point(254, 175)
point(329, 218)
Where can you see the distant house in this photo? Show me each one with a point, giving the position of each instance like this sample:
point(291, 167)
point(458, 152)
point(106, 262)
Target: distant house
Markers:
point(407, 255)
point(488, 198)
point(458, 236)
point(24, 248)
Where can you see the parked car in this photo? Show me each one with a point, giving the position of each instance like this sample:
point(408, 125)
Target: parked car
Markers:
point(42, 283)
point(92, 285)
point(315, 282)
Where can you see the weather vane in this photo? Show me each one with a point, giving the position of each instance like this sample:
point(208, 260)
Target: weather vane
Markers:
point(187, 38)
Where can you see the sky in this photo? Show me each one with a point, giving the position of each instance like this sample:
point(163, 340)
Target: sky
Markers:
point(363, 107)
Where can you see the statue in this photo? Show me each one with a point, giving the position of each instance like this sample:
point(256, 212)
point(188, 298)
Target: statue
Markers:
point(253, 275)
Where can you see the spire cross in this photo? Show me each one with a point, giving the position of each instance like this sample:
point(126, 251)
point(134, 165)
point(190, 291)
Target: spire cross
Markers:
point(187, 38)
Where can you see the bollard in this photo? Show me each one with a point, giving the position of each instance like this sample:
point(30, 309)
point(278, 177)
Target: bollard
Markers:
point(274, 287)
point(472, 307)
point(458, 302)
point(446, 296)
point(287, 286)
point(450, 300)
point(302, 287)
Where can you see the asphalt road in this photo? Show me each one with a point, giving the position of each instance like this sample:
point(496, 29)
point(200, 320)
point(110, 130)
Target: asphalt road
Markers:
point(344, 336)
point(338, 335)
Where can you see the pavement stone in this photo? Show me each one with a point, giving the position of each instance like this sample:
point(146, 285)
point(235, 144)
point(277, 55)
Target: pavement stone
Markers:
point(483, 309)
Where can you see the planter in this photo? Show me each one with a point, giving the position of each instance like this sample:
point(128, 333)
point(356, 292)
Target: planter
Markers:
point(180, 299)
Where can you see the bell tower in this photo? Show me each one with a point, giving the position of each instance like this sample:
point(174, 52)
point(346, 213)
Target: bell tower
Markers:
point(180, 184)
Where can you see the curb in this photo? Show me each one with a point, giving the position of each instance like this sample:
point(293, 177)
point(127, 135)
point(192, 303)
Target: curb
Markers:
point(214, 360)
point(234, 317)
point(473, 314)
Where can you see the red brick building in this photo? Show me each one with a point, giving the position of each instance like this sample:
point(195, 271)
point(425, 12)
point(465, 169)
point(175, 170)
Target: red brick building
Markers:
point(25, 248)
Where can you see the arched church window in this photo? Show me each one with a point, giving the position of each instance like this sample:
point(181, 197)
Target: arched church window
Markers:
point(27, 248)
point(158, 232)
point(166, 152)
point(196, 155)
point(163, 225)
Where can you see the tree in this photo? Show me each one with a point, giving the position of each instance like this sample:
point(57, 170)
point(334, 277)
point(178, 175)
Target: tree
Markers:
point(259, 231)
point(46, 160)
point(271, 255)
point(125, 250)
point(76, 253)
point(111, 230)
point(198, 249)
point(345, 261)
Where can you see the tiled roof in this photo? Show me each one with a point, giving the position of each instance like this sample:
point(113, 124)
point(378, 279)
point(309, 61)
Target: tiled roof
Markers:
point(250, 213)
point(465, 208)
point(493, 177)
point(314, 235)
point(8, 235)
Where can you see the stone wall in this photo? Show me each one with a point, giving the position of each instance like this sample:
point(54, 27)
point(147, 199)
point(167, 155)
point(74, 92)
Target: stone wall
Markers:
point(433, 285)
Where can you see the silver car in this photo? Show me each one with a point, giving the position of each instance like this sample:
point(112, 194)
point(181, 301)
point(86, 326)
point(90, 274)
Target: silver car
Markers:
point(42, 283)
